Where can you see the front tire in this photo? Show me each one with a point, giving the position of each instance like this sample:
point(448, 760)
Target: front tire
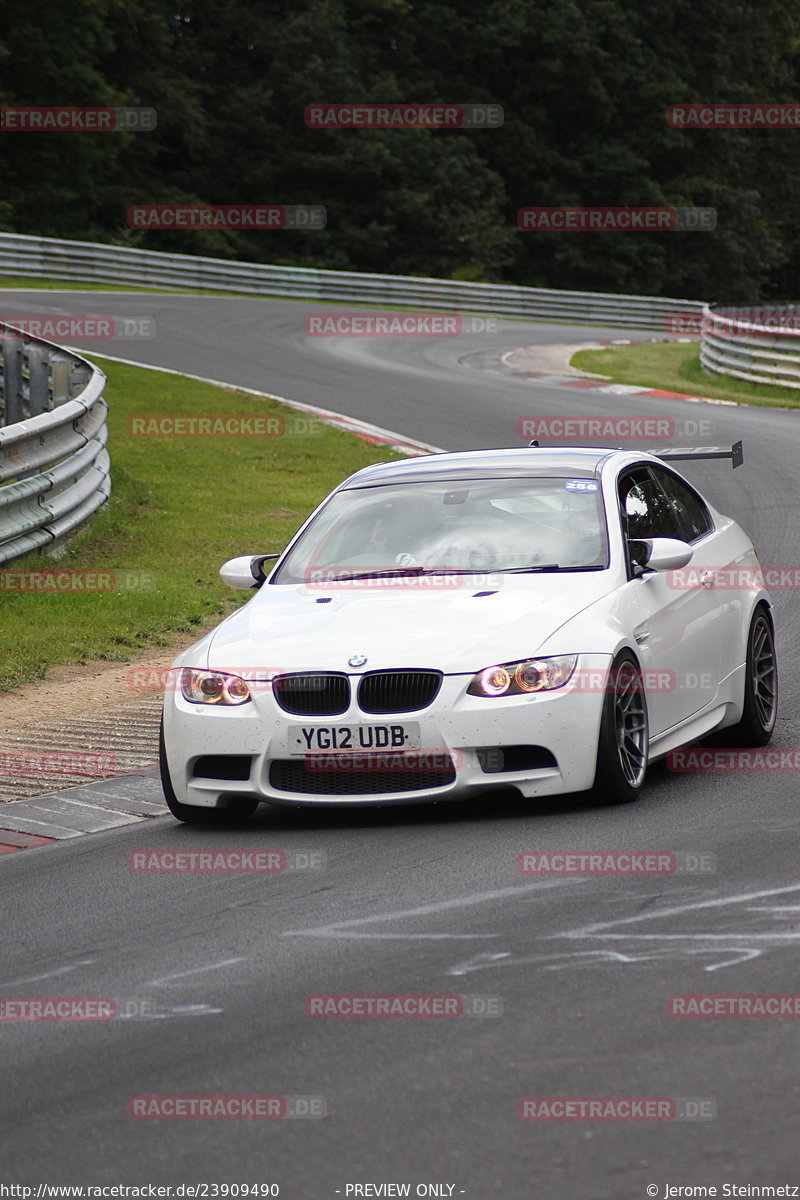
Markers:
point(237, 808)
point(760, 710)
point(624, 745)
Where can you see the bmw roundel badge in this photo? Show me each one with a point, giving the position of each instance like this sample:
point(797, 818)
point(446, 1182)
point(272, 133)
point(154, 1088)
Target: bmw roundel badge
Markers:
point(357, 660)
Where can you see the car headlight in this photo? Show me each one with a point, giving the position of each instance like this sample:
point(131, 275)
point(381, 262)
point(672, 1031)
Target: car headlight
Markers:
point(212, 687)
point(521, 678)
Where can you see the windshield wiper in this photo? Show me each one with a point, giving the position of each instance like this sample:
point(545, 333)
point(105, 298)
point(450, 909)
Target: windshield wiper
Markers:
point(378, 574)
point(530, 570)
point(392, 571)
point(548, 567)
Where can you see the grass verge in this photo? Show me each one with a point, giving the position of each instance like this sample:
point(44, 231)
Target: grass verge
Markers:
point(675, 367)
point(180, 507)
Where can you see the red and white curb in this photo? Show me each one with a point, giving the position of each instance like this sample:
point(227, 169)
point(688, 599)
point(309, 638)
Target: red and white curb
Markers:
point(86, 808)
point(631, 389)
point(10, 840)
point(589, 382)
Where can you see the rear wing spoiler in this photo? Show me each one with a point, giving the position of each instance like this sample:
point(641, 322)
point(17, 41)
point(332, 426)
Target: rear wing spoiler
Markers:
point(681, 454)
point(735, 454)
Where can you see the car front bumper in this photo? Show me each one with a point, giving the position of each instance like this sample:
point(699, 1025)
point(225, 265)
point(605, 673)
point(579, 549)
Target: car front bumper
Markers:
point(478, 734)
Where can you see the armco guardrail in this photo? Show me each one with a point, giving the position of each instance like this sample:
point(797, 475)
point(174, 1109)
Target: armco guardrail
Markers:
point(761, 345)
point(54, 466)
point(99, 263)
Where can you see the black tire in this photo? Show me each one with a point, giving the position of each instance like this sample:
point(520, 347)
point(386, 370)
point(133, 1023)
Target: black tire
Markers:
point(623, 749)
point(238, 808)
point(760, 684)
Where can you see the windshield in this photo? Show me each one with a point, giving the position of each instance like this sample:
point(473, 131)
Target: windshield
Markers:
point(453, 526)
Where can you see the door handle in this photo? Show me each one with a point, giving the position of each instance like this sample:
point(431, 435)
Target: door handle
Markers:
point(641, 636)
point(706, 579)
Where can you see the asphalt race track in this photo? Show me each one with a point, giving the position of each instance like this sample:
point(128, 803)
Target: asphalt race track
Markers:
point(214, 970)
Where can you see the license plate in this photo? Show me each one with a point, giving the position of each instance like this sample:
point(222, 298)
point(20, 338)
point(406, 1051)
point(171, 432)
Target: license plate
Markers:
point(360, 739)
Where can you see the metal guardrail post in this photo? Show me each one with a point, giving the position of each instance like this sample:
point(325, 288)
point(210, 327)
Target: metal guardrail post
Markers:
point(79, 376)
point(12, 380)
point(60, 371)
point(38, 379)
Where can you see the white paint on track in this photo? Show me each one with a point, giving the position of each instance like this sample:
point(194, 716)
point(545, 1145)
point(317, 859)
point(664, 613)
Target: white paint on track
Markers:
point(165, 979)
point(344, 928)
point(678, 910)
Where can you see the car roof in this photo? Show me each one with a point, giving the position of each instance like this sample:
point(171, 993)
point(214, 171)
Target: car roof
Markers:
point(583, 462)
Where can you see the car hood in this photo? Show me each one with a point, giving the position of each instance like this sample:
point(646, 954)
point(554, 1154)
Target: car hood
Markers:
point(450, 626)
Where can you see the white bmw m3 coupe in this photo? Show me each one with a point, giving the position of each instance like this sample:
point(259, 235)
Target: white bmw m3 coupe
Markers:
point(550, 620)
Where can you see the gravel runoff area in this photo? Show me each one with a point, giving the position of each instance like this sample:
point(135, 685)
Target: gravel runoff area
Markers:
point(82, 723)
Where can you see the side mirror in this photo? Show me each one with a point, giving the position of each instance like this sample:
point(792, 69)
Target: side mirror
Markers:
point(245, 572)
point(659, 554)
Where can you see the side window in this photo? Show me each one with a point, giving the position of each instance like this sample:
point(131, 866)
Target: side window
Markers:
point(646, 511)
point(693, 516)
